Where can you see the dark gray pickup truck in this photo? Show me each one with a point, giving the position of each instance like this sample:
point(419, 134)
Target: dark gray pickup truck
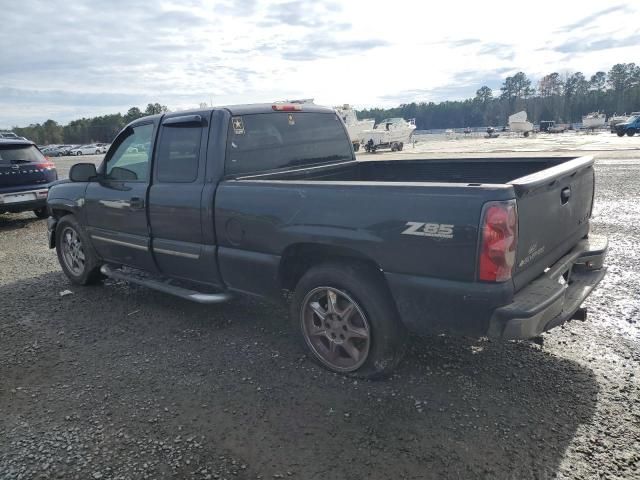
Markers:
point(269, 199)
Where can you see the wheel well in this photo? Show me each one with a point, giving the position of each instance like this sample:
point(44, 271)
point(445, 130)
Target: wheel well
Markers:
point(298, 259)
point(58, 213)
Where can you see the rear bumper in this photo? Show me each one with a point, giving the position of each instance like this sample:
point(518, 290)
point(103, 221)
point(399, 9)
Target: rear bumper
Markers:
point(555, 297)
point(430, 305)
point(22, 200)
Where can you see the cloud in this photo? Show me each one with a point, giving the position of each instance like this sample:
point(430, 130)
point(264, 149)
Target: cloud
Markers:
point(64, 60)
point(464, 85)
point(301, 13)
point(464, 42)
point(592, 44)
point(597, 16)
point(234, 8)
point(314, 47)
point(498, 50)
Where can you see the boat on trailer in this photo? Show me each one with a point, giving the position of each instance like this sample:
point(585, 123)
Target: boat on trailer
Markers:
point(518, 123)
point(355, 128)
point(594, 120)
point(390, 133)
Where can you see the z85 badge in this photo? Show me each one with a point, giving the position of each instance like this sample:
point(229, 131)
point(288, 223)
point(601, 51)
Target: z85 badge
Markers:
point(435, 230)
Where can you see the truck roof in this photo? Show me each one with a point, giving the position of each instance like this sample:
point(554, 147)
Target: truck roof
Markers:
point(253, 108)
point(243, 109)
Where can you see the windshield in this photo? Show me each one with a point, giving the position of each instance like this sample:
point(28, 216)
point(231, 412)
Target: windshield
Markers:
point(15, 154)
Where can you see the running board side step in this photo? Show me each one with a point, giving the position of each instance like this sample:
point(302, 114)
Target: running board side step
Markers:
point(181, 292)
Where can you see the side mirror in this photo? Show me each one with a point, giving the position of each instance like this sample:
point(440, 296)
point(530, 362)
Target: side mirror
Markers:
point(83, 172)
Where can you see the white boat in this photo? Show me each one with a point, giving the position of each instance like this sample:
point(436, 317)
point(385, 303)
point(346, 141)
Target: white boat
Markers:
point(518, 123)
point(594, 120)
point(390, 133)
point(355, 127)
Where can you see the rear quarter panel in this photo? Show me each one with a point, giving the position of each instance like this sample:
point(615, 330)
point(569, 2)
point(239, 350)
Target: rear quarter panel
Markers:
point(266, 217)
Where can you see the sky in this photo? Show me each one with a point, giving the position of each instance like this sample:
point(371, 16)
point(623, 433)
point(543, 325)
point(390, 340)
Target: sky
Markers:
point(65, 60)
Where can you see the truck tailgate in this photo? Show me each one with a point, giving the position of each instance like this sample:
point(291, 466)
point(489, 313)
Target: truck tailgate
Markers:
point(554, 206)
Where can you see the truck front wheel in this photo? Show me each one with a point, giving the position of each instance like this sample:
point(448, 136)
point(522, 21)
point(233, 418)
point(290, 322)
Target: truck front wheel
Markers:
point(631, 132)
point(620, 133)
point(347, 320)
point(75, 254)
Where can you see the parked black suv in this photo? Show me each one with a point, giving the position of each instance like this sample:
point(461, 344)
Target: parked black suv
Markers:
point(25, 177)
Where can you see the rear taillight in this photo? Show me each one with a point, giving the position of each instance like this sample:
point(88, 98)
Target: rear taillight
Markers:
point(47, 164)
point(498, 242)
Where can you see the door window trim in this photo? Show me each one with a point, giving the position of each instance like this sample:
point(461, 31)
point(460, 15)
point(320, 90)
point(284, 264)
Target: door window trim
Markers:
point(114, 148)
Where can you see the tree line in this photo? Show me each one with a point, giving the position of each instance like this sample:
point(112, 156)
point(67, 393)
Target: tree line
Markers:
point(85, 130)
point(564, 98)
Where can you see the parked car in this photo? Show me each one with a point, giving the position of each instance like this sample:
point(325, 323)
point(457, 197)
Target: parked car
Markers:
point(104, 147)
point(63, 150)
point(25, 177)
point(266, 199)
point(49, 151)
point(91, 149)
point(630, 127)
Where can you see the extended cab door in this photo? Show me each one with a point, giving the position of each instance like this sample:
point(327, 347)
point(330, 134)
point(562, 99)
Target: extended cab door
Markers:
point(181, 200)
point(115, 207)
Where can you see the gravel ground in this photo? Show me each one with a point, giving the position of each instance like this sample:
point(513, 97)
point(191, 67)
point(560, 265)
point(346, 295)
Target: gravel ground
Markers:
point(121, 382)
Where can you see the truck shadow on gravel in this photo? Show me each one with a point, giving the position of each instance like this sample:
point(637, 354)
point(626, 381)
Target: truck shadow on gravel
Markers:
point(159, 369)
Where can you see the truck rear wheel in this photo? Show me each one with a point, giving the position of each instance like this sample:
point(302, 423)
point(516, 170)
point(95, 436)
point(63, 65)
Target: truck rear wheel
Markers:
point(347, 320)
point(620, 133)
point(76, 255)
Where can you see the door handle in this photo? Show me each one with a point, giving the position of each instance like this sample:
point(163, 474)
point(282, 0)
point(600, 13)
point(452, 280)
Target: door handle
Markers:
point(565, 194)
point(136, 203)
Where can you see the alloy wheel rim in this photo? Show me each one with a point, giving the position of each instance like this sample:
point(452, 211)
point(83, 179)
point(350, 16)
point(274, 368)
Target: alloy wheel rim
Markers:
point(335, 328)
point(72, 251)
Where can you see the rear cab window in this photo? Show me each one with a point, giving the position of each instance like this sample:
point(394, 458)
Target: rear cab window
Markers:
point(268, 141)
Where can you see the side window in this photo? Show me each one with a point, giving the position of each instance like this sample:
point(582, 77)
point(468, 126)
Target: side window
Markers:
point(130, 160)
point(178, 153)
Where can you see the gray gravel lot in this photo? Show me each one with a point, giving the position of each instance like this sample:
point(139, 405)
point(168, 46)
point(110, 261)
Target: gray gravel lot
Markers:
point(121, 382)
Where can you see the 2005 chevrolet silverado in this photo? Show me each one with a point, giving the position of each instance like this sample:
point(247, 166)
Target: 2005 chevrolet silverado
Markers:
point(266, 199)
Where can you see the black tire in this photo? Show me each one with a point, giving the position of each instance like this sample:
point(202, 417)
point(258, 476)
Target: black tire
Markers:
point(90, 271)
point(375, 313)
point(620, 133)
point(631, 132)
point(400, 146)
point(356, 147)
point(41, 212)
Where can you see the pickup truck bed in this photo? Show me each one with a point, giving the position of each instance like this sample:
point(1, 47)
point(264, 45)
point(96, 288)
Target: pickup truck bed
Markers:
point(464, 171)
point(270, 198)
point(354, 208)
